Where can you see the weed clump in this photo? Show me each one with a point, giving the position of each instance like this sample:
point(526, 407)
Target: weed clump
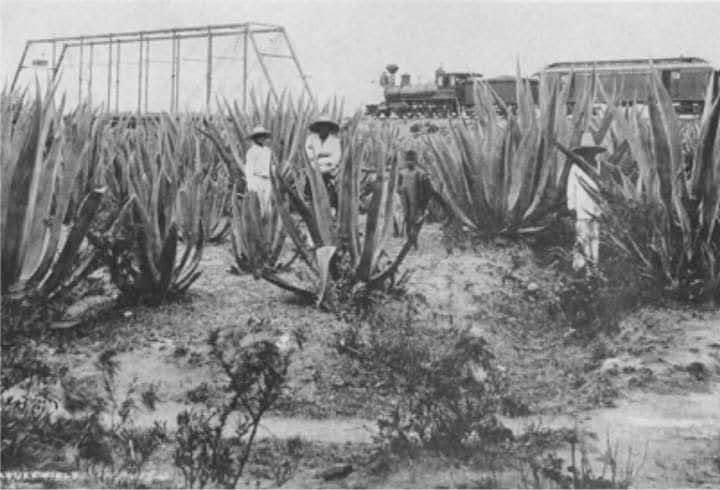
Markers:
point(87, 427)
point(443, 387)
point(255, 370)
point(537, 460)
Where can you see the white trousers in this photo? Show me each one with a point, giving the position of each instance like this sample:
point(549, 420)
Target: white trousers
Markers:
point(263, 188)
point(587, 242)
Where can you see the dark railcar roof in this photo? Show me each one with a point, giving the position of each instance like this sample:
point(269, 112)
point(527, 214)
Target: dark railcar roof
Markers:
point(461, 73)
point(509, 78)
point(634, 63)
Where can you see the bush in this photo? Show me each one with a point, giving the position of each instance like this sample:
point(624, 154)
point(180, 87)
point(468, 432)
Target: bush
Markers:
point(111, 448)
point(28, 430)
point(277, 460)
point(40, 429)
point(255, 370)
point(536, 458)
point(441, 383)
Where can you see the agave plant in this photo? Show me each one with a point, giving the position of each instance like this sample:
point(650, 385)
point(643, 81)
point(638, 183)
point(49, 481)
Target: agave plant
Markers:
point(332, 244)
point(502, 175)
point(41, 259)
point(680, 244)
point(154, 247)
point(257, 236)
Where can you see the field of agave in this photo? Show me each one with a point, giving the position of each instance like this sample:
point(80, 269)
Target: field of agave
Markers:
point(80, 193)
point(86, 198)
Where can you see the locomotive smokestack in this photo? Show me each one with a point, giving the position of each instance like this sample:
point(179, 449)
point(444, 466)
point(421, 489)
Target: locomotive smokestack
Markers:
point(392, 69)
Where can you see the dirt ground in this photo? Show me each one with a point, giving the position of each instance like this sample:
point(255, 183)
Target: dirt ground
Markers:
point(654, 387)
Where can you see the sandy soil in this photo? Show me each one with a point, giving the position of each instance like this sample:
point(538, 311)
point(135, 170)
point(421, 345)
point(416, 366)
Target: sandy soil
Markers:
point(659, 384)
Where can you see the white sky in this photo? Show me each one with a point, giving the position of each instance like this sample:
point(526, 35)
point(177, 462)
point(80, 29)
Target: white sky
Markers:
point(344, 45)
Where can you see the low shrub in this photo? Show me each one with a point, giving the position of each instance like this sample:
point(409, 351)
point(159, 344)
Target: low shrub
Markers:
point(277, 460)
point(536, 456)
point(255, 370)
point(86, 427)
point(110, 447)
point(443, 388)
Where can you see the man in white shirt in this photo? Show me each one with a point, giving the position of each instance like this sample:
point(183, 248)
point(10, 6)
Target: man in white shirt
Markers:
point(323, 150)
point(257, 166)
point(587, 228)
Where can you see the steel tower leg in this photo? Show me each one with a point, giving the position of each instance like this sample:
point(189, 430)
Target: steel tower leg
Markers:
point(80, 71)
point(117, 78)
point(140, 74)
point(297, 65)
point(245, 68)
point(108, 104)
point(172, 77)
point(90, 74)
point(147, 71)
point(177, 76)
point(208, 73)
point(20, 65)
point(264, 68)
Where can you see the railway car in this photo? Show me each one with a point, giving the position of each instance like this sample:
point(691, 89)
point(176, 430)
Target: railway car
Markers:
point(505, 87)
point(685, 78)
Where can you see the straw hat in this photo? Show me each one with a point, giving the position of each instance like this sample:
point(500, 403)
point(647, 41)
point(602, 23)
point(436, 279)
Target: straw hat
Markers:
point(259, 131)
point(411, 156)
point(588, 153)
point(324, 119)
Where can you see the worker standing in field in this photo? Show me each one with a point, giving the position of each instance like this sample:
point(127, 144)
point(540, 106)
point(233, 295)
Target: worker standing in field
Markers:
point(415, 192)
point(587, 211)
point(257, 166)
point(323, 150)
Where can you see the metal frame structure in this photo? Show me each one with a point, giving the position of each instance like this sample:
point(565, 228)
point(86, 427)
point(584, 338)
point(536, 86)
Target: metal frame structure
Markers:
point(142, 39)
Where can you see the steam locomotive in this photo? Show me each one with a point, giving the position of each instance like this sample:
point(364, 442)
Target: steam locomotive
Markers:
point(450, 93)
point(686, 79)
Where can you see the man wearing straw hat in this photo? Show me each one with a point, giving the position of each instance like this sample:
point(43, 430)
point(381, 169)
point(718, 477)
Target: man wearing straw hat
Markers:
point(257, 166)
point(323, 150)
point(587, 211)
